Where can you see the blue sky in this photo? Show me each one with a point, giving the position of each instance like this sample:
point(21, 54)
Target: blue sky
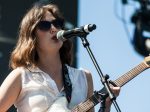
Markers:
point(114, 52)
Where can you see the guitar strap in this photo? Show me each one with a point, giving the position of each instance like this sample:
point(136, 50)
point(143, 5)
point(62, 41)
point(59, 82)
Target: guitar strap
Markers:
point(67, 83)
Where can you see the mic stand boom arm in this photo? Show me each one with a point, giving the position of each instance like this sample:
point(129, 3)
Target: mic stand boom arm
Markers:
point(103, 78)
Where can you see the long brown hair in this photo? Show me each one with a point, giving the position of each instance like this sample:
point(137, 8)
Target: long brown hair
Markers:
point(25, 52)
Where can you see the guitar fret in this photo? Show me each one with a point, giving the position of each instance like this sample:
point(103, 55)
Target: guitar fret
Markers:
point(89, 104)
point(137, 70)
point(84, 106)
point(131, 74)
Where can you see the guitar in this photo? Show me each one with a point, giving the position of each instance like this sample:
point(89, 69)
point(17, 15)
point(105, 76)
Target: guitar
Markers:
point(60, 104)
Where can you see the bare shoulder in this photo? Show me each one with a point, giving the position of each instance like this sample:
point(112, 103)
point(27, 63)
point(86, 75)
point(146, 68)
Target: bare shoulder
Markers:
point(13, 77)
point(14, 74)
point(88, 75)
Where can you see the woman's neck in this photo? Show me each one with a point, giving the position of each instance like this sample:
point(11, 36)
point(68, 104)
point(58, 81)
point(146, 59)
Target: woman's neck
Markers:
point(50, 63)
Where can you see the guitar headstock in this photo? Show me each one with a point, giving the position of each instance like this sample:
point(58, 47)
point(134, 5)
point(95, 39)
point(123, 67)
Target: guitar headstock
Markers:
point(147, 60)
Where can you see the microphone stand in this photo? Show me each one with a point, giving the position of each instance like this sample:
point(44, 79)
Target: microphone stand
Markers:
point(104, 79)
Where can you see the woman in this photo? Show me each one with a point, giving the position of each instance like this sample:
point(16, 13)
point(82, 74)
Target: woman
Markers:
point(41, 72)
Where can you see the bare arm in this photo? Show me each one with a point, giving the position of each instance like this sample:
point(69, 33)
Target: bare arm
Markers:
point(90, 86)
point(10, 90)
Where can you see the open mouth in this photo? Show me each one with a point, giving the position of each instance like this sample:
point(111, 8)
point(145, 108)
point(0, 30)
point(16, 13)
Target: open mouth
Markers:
point(54, 38)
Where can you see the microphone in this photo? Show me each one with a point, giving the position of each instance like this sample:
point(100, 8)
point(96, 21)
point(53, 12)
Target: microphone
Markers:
point(81, 31)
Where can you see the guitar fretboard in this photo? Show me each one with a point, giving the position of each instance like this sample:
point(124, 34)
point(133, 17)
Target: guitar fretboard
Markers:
point(131, 74)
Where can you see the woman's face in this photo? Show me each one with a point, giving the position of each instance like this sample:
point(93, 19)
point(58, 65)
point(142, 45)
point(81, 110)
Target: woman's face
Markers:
point(46, 34)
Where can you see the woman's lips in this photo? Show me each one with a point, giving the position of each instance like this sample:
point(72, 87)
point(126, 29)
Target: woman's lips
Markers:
point(54, 38)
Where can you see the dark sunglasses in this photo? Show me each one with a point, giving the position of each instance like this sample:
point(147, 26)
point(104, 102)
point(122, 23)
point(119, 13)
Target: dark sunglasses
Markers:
point(46, 25)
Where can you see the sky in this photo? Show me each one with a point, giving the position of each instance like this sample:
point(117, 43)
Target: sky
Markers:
point(113, 51)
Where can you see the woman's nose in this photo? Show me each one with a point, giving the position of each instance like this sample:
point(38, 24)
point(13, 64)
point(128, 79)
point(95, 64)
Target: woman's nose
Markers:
point(53, 29)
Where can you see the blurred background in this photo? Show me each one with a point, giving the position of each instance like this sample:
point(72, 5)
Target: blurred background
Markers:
point(119, 43)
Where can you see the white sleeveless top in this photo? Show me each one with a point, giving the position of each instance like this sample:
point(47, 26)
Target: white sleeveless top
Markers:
point(39, 90)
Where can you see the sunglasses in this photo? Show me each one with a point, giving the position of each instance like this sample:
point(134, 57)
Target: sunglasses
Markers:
point(46, 25)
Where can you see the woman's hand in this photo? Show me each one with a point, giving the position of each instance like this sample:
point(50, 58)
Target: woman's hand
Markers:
point(116, 91)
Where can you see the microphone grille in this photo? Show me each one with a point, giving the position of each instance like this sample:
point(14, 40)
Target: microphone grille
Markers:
point(60, 35)
point(92, 27)
point(89, 28)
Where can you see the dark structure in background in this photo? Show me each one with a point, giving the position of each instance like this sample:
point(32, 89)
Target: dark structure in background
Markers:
point(141, 20)
point(11, 13)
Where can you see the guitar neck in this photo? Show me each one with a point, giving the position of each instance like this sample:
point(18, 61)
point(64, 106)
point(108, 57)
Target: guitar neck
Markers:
point(131, 74)
point(94, 99)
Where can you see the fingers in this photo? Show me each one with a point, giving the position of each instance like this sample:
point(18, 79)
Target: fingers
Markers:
point(115, 90)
